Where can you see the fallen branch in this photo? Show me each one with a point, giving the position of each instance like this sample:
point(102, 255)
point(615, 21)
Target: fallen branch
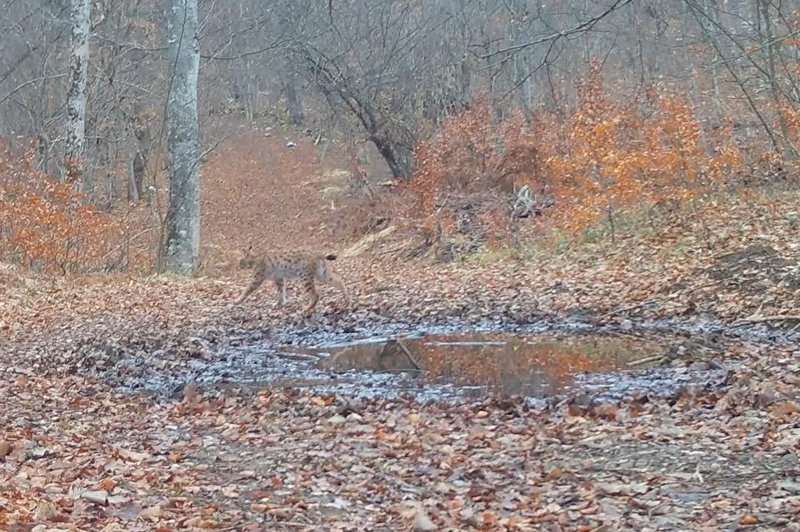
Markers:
point(622, 310)
point(646, 360)
point(300, 356)
point(408, 354)
point(393, 250)
point(765, 319)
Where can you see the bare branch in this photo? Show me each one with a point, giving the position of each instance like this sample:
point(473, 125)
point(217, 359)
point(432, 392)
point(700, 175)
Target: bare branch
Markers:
point(583, 26)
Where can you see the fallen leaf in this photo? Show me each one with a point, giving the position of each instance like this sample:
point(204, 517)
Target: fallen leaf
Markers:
point(422, 522)
point(784, 409)
point(749, 519)
point(96, 496)
point(45, 510)
point(152, 513)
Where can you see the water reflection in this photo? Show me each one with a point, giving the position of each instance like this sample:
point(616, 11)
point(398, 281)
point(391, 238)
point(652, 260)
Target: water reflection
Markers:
point(528, 365)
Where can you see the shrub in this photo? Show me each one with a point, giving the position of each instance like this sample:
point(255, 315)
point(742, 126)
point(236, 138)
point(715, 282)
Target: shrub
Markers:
point(47, 225)
point(599, 158)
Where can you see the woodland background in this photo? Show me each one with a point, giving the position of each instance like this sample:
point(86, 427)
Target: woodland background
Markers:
point(472, 123)
point(621, 167)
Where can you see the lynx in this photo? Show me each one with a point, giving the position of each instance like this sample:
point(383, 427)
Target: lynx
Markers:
point(280, 266)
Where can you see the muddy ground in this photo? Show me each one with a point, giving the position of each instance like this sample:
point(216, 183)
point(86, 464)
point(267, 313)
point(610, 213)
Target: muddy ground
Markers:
point(110, 421)
point(152, 403)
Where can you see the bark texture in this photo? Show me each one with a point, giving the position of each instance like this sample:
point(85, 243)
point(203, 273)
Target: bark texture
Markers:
point(182, 243)
point(80, 15)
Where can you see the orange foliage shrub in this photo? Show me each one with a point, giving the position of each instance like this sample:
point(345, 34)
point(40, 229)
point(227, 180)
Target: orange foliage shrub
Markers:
point(474, 152)
point(612, 157)
point(789, 114)
point(47, 225)
point(471, 154)
point(599, 158)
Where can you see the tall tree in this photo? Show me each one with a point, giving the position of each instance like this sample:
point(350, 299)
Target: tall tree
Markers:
point(182, 242)
point(80, 15)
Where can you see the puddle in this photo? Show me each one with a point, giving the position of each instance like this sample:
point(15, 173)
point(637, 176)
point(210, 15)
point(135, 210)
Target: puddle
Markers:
point(437, 367)
point(533, 366)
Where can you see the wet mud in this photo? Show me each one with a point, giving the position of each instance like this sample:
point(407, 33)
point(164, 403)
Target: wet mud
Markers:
point(542, 362)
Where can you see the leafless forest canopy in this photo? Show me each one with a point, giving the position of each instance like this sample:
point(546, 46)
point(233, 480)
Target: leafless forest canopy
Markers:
point(382, 70)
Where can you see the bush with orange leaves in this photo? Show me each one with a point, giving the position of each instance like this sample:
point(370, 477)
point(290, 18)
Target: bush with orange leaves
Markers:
point(652, 152)
point(599, 158)
point(472, 154)
point(46, 225)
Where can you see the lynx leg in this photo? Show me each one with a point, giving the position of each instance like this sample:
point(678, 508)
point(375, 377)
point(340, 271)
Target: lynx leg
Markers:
point(256, 282)
point(309, 282)
point(336, 281)
point(280, 284)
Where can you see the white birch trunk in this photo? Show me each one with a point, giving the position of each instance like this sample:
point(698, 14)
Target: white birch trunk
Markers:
point(80, 15)
point(182, 243)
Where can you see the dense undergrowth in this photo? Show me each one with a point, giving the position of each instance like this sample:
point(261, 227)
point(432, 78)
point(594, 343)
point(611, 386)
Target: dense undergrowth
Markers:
point(487, 182)
point(688, 252)
point(603, 169)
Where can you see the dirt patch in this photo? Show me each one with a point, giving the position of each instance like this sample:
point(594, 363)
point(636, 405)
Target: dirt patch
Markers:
point(258, 191)
point(283, 459)
point(292, 458)
point(755, 268)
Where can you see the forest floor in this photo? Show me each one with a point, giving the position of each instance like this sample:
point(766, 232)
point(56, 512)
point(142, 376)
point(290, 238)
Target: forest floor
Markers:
point(79, 453)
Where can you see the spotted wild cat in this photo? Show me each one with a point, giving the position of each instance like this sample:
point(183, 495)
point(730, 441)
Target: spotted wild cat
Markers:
point(280, 266)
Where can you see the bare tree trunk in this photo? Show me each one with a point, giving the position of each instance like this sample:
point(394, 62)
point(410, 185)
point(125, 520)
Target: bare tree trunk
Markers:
point(294, 102)
point(141, 153)
point(136, 176)
point(81, 11)
point(42, 152)
point(521, 75)
point(182, 243)
point(712, 12)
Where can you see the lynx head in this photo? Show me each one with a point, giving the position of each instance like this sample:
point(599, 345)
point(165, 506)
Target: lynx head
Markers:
point(247, 260)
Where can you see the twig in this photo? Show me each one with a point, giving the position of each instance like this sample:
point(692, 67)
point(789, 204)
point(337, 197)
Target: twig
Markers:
point(408, 354)
point(645, 360)
point(300, 356)
point(393, 250)
point(127, 241)
point(698, 475)
point(635, 306)
point(763, 319)
point(216, 144)
point(30, 82)
point(464, 344)
point(232, 527)
point(586, 25)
